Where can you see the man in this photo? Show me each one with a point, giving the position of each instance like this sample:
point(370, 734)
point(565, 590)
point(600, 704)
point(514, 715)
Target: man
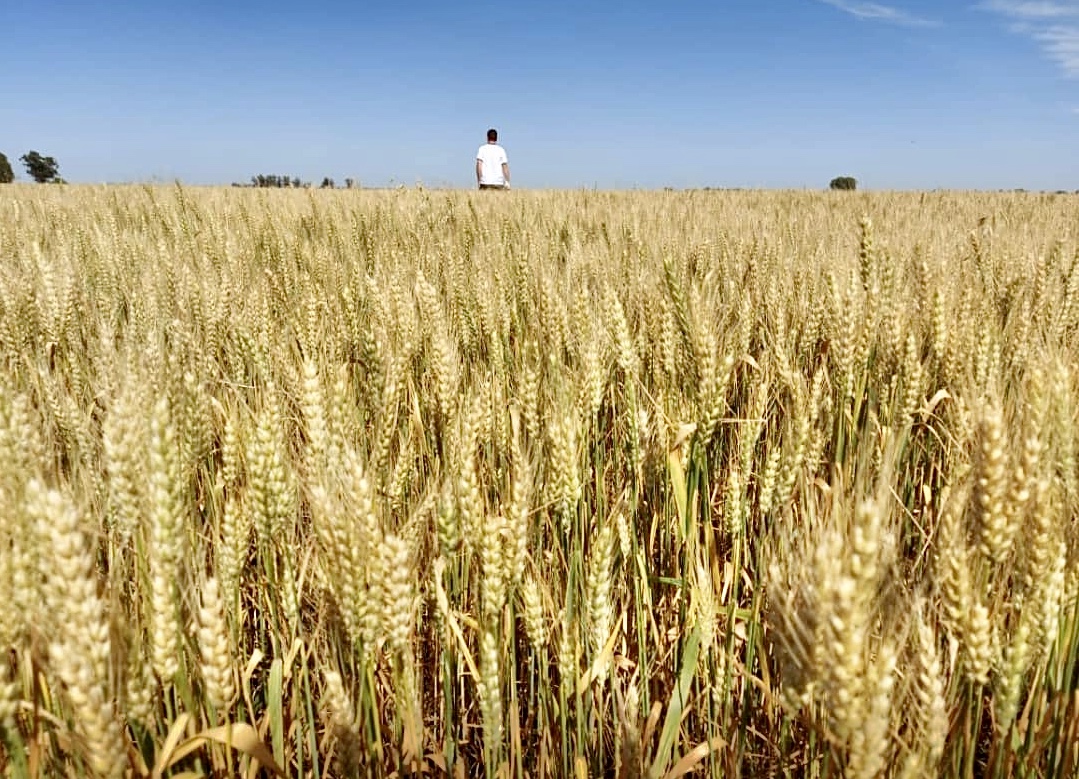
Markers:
point(492, 166)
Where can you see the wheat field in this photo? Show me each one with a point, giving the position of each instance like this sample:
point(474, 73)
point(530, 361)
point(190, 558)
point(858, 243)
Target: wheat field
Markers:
point(538, 484)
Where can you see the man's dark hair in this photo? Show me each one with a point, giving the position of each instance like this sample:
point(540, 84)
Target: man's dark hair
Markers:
point(492, 135)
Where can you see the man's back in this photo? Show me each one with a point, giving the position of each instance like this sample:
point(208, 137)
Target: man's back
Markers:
point(492, 157)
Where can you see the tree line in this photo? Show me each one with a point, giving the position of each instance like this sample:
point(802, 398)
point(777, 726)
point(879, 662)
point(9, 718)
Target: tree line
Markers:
point(46, 170)
point(289, 182)
point(42, 169)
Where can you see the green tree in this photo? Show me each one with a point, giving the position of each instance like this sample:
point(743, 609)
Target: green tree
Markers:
point(40, 169)
point(274, 181)
point(7, 175)
point(845, 183)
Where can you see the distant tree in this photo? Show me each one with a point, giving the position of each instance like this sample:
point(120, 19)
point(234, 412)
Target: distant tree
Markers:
point(327, 183)
point(40, 169)
point(350, 183)
point(7, 175)
point(274, 181)
point(844, 183)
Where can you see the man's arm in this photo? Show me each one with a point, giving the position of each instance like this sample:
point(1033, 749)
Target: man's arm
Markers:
point(506, 172)
point(479, 170)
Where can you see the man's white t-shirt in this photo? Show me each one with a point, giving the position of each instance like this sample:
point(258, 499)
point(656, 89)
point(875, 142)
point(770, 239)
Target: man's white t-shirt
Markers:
point(492, 156)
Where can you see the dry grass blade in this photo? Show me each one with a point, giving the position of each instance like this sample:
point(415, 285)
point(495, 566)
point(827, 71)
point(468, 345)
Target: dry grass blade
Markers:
point(237, 735)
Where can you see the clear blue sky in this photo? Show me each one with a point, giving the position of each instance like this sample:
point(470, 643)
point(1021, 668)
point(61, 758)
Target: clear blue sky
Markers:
point(910, 94)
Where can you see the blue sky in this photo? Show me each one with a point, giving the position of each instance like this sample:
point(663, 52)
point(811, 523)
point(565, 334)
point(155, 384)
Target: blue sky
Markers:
point(910, 94)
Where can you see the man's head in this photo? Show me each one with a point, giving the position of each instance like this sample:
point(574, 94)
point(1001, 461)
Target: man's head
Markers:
point(492, 135)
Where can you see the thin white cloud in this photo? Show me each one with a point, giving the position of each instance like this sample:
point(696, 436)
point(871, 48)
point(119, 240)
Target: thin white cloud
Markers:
point(1052, 24)
point(1061, 45)
point(1031, 9)
point(877, 12)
